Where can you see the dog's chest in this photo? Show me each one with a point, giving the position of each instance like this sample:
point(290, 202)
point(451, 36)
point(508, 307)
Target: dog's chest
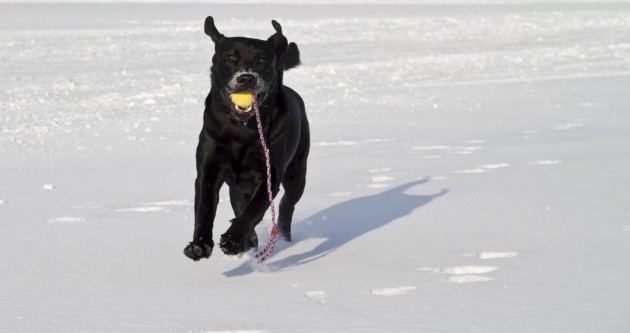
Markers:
point(246, 169)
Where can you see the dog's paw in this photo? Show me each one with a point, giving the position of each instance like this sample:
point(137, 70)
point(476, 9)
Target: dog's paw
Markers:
point(253, 241)
point(284, 233)
point(198, 250)
point(232, 244)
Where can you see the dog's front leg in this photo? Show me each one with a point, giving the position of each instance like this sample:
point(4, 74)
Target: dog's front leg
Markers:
point(238, 237)
point(207, 186)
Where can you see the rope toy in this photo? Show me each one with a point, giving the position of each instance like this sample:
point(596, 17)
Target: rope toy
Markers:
point(271, 245)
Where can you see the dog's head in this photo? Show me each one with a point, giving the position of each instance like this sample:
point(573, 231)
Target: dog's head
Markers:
point(244, 69)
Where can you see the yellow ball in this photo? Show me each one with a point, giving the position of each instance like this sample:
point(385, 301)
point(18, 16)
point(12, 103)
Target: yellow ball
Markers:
point(242, 99)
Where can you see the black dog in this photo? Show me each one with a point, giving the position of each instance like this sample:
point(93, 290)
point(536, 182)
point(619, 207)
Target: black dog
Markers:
point(229, 149)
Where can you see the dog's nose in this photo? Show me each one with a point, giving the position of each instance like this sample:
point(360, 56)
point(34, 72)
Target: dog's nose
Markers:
point(247, 80)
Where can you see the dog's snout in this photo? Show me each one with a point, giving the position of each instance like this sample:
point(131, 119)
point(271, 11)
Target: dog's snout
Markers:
point(247, 80)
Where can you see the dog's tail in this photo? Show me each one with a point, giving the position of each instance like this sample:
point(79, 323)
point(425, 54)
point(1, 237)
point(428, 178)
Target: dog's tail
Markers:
point(291, 58)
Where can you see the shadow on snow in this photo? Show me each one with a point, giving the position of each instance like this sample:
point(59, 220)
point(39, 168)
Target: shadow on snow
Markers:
point(345, 221)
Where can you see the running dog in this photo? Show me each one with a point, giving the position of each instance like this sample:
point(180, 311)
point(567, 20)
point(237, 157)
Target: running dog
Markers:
point(246, 73)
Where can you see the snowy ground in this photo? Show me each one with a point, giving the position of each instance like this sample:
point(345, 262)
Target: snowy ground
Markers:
point(468, 170)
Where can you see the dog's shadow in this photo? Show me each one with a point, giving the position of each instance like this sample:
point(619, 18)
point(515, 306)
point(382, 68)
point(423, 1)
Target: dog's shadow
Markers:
point(345, 221)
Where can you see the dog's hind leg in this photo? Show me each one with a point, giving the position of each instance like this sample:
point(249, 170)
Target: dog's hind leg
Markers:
point(293, 182)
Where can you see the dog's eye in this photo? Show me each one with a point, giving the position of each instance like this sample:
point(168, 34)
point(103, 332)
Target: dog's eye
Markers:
point(231, 58)
point(261, 60)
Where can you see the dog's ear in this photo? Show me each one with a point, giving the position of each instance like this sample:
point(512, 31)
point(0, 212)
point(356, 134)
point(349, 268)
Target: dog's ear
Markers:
point(212, 31)
point(291, 58)
point(278, 40)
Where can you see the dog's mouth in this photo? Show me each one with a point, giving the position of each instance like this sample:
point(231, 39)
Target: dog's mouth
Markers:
point(242, 103)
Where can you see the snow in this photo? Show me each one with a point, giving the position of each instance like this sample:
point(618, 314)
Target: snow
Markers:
point(468, 169)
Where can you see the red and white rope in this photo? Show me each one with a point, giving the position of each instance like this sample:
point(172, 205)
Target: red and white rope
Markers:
point(271, 245)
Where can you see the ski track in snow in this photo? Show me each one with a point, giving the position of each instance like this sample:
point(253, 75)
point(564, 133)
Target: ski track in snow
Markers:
point(340, 194)
point(545, 162)
point(379, 170)
point(471, 273)
point(458, 274)
point(237, 331)
point(395, 291)
point(470, 147)
point(463, 274)
point(469, 278)
point(496, 166)
point(495, 255)
point(66, 220)
point(157, 206)
point(461, 270)
point(486, 168)
point(483, 168)
point(97, 211)
point(317, 296)
point(380, 178)
point(350, 142)
point(144, 209)
point(175, 202)
point(376, 181)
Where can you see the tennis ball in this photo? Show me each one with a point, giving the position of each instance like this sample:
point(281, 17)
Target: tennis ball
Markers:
point(242, 99)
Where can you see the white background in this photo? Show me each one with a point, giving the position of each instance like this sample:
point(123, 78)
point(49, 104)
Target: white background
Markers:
point(468, 170)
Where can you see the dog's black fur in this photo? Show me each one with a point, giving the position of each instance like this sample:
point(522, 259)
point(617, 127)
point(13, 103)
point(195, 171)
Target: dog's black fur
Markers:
point(229, 149)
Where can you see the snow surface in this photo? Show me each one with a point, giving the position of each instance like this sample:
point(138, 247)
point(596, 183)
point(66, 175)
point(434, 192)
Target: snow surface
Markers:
point(469, 170)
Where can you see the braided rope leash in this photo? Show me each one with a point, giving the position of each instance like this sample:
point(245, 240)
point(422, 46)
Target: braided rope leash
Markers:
point(271, 245)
